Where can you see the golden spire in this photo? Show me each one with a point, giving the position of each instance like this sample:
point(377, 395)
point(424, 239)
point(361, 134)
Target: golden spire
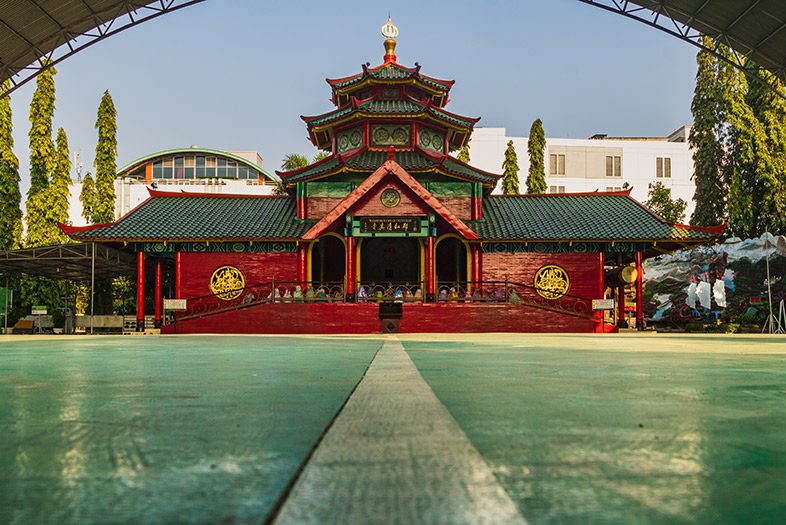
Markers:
point(390, 32)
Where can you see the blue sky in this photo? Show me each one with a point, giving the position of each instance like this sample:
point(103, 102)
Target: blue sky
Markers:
point(237, 74)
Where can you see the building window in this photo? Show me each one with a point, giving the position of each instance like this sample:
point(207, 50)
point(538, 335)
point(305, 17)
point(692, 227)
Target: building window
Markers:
point(231, 169)
point(189, 167)
point(210, 169)
point(242, 172)
point(221, 172)
point(556, 189)
point(158, 170)
point(179, 171)
point(200, 167)
point(613, 188)
point(613, 166)
point(556, 164)
point(168, 168)
point(663, 167)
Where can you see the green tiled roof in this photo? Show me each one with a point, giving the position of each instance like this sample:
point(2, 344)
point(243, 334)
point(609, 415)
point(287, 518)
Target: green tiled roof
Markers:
point(204, 217)
point(412, 161)
point(393, 72)
point(575, 217)
point(389, 107)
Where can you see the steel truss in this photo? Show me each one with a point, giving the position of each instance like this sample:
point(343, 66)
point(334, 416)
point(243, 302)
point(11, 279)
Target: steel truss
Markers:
point(669, 20)
point(68, 43)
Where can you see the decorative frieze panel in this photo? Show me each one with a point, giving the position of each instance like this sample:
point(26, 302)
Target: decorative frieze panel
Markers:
point(564, 247)
point(392, 135)
point(349, 140)
point(432, 140)
point(218, 247)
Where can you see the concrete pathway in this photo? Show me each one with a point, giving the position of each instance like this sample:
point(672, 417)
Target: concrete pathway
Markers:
point(395, 455)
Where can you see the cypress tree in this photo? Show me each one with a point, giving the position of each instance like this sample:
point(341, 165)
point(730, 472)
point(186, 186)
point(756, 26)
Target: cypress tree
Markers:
point(510, 171)
point(88, 198)
point(105, 161)
point(10, 196)
point(42, 149)
point(708, 152)
point(536, 146)
point(463, 155)
point(60, 187)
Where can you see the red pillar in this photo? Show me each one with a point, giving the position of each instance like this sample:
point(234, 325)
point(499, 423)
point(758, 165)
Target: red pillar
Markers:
point(158, 293)
point(639, 291)
point(178, 287)
point(350, 268)
point(430, 268)
point(601, 276)
point(302, 268)
point(140, 291)
point(477, 265)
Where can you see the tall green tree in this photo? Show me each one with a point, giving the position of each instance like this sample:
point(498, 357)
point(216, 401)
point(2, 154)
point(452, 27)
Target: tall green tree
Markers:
point(42, 149)
point(765, 98)
point(320, 155)
point(88, 198)
point(105, 160)
point(536, 147)
point(659, 200)
point(60, 186)
point(510, 171)
point(463, 155)
point(705, 139)
point(10, 196)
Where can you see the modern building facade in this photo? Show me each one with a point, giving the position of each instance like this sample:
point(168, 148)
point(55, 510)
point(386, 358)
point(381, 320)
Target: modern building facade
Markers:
point(190, 169)
point(601, 162)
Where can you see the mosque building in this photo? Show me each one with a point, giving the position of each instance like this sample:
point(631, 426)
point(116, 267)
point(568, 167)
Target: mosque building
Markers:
point(390, 226)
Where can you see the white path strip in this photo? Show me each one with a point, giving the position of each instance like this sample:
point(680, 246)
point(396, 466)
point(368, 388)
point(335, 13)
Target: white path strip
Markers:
point(395, 455)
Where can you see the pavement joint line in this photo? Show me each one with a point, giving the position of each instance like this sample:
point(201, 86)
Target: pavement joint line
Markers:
point(394, 454)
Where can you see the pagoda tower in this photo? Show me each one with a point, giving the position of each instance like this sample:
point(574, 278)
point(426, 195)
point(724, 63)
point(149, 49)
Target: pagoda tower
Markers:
point(389, 112)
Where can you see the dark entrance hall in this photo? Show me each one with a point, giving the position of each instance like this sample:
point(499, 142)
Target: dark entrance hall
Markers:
point(390, 260)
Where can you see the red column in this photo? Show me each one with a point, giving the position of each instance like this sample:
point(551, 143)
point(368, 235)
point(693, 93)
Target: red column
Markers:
point(350, 267)
point(178, 288)
point(302, 268)
point(601, 276)
point(477, 264)
point(639, 292)
point(430, 268)
point(140, 291)
point(158, 293)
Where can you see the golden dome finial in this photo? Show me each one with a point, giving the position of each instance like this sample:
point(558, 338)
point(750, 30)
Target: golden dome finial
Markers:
point(390, 32)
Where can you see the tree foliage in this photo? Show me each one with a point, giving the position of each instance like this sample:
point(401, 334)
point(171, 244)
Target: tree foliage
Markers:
point(536, 147)
point(10, 196)
point(705, 139)
point(463, 154)
point(659, 200)
point(105, 161)
point(42, 149)
point(320, 155)
point(510, 171)
point(294, 161)
point(88, 198)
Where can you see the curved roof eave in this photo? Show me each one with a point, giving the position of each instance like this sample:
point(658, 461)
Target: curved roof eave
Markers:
point(141, 160)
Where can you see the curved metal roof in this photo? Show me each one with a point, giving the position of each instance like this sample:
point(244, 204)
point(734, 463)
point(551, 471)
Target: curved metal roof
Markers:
point(195, 151)
point(32, 31)
point(755, 29)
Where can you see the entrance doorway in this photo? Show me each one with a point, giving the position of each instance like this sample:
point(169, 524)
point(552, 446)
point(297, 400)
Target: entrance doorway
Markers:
point(390, 260)
point(451, 263)
point(328, 259)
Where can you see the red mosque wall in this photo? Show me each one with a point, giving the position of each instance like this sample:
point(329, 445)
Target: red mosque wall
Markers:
point(371, 204)
point(196, 269)
point(363, 318)
point(583, 269)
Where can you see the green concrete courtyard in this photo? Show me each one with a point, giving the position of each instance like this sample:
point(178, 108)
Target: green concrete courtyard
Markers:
point(486, 428)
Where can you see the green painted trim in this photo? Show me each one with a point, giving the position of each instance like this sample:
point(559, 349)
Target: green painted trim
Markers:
point(564, 247)
point(146, 158)
point(329, 189)
point(424, 230)
point(216, 247)
point(450, 189)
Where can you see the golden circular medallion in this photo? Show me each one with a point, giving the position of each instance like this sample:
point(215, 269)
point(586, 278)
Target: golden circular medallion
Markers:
point(227, 283)
point(390, 198)
point(552, 282)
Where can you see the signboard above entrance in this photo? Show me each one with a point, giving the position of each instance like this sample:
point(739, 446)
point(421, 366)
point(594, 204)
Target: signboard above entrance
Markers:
point(390, 226)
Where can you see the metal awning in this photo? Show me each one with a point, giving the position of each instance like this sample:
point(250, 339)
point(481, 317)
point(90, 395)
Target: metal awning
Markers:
point(75, 262)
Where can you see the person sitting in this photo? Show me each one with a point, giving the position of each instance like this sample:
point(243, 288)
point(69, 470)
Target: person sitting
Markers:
point(453, 295)
point(513, 297)
point(248, 298)
point(398, 296)
point(310, 294)
point(287, 296)
point(468, 296)
point(298, 295)
point(499, 295)
point(362, 297)
point(476, 295)
point(443, 296)
point(321, 295)
point(274, 296)
point(418, 296)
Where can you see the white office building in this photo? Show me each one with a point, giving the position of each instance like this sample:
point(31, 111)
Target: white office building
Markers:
point(598, 163)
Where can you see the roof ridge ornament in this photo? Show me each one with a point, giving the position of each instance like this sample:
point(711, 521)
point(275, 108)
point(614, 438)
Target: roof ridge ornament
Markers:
point(390, 32)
